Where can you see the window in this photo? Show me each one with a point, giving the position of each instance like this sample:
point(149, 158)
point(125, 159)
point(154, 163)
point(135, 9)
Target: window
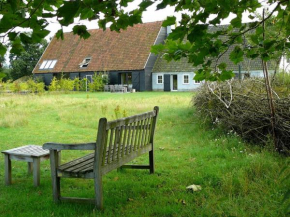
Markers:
point(85, 62)
point(185, 79)
point(159, 79)
point(48, 64)
point(196, 82)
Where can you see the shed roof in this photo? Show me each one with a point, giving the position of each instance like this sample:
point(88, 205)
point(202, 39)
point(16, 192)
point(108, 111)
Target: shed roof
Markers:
point(108, 50)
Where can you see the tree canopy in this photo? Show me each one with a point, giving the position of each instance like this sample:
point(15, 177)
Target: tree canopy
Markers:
point(201, 46)
point(22, 64)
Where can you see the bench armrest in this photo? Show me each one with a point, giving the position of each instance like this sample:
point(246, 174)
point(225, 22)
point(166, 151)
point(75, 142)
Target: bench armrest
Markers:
point(59, 146)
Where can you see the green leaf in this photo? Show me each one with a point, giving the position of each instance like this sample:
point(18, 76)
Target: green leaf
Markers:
point(81, 30)
point(87, 13)
point(169, 21)
point(68, 11)
point(237, 22)
point(39, 34)
point(226, 75)
point(17, 47)
point(3, 49)
point(236, 55)
point(12, 35)
point(145, 4)
point(268, 43)
point(59, 34)
point(25, 39)
point(222, 66)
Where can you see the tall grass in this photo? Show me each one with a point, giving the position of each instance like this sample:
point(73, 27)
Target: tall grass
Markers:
point(236, 179)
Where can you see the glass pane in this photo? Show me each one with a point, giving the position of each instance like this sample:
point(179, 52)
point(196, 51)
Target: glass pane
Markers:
point(43, 64)
point(52, 64)
point(47, 64)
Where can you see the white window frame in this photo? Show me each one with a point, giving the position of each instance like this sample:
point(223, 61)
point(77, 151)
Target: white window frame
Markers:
point(183, 80)
point(85, 62)
point(157, 81)
point(47, 64)
point(196, 82)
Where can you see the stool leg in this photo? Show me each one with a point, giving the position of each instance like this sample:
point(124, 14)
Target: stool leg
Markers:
point(36, 171)
point(29, 167)
point(7, 170)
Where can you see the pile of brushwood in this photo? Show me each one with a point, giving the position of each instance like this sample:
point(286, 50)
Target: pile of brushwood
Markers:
point(243, 107)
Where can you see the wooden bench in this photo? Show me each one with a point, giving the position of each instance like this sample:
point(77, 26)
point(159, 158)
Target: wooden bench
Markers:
point(118, 142)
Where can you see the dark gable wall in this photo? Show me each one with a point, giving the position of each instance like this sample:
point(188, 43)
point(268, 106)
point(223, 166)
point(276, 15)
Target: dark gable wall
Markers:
point(151, 60)
point(46, 78)
point(138, 79)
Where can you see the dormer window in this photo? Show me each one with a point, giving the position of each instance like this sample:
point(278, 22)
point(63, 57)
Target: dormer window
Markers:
point(85, 62)
point(48, 64)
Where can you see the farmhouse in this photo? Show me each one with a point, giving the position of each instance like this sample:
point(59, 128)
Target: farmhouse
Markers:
point(124, 56)
point(178, 75)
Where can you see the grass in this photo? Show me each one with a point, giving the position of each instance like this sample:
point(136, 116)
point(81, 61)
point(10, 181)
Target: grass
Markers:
point(236, 179)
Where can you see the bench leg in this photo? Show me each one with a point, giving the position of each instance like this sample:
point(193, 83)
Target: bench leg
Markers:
point(36, 171)
point(29, 167)
point(54, 161)
point(7, 170)
point(151, 161)
point(98, 192)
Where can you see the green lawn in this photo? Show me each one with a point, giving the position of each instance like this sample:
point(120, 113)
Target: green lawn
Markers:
point(237, 179)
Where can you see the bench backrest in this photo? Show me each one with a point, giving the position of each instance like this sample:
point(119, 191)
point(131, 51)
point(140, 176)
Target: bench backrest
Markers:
point(120, 141)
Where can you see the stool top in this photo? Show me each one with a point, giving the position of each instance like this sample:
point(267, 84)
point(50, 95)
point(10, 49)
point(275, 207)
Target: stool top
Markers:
point(28, 151)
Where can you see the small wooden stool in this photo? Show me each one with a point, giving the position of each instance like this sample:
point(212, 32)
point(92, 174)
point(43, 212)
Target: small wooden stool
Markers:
point(32, 154)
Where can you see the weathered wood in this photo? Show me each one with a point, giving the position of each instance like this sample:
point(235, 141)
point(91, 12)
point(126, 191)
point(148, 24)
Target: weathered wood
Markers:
point(118, 143)
point(101, 140)
point(59, 146)
point(32, 154)
point(77, 200)
point(27, 151)
point(36, 171)
point(7, 169)
point(128, 120)
point(54, 176)
point(29, 167)
point(136, 166)
point(76, 161)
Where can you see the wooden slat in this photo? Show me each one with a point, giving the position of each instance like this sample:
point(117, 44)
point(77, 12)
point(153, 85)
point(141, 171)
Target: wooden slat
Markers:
point(137, 132)
point(76, 161)
point(109, 159)
point(77, 200)
point(143, 132)
point(128, 140)
point(128, 120)
point(132, 139)
point(128, 158)
point(59, 146)
point(120, 142)
point(124, 140)
point(105, 147)
point(136, 166)
point(77, 167)
point(115, 144)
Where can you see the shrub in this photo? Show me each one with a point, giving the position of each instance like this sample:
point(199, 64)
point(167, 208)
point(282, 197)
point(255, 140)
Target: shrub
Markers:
point(32, 86)
point(243, 107)
point(54, 85)
point(77, 84)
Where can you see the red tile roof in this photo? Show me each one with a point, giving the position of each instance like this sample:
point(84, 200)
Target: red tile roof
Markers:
point(128, 50)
